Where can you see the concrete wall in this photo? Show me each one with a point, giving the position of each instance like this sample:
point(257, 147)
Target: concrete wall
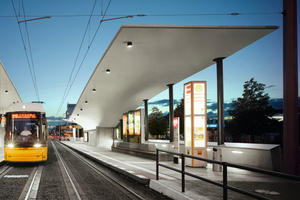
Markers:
point(264, 156)
point(104, 136)
point(92, 137)
point(2, 133)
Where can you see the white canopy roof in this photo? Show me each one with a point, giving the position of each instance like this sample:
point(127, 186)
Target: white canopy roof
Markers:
point(6, 98)
point(160, 55)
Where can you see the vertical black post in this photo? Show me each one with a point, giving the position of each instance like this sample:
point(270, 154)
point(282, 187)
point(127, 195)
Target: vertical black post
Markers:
point(220, 101)
point(121, 121)
point(224, 180)
point(171, 112)
point(290, 89)
point(157, 172)
point(182, 173)
point(146, 119)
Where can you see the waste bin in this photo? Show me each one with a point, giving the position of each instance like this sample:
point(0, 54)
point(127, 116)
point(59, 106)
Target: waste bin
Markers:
point(217, 156)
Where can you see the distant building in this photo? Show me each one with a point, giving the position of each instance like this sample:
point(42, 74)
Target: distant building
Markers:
point(70, 109)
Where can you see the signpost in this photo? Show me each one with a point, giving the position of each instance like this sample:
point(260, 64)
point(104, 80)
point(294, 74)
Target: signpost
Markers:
point(195, 139)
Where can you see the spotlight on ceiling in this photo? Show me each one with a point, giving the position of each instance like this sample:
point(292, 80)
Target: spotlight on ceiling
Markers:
point(77, 114)
point(86, 102)
point(107, 71)
point(94, 90)
point(6, 91)
point(129, 44)
point(80, 109)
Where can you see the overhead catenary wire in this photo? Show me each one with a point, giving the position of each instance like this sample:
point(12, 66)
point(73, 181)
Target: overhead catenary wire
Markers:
point(158, 15)
point(65, 92)
point(68, 90)
point(32, 63)
point(32, 71)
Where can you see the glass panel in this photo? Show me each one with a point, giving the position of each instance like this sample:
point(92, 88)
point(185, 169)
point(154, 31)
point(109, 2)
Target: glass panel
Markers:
point(188, 132)
point(22, 128)
point(199, 133)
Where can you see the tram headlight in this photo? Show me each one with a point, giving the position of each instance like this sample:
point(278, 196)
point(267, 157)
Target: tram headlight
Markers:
point(10, 145)
point(37, 145)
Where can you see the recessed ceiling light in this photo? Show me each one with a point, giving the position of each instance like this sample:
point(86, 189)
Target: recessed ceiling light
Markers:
point(107, 71)
point(129, 44)
point(86, 102)
point(94, 90)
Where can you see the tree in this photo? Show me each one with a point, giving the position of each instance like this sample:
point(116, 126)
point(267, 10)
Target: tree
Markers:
point(179, 112)
point(251, 112)
point(158, 124)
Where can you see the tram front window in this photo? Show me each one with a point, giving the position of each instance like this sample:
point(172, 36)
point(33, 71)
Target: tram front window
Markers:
point(24, 130)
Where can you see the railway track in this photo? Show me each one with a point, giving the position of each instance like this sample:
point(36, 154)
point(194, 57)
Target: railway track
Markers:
point(68, 175)
point(29, 191)
point(129, 193)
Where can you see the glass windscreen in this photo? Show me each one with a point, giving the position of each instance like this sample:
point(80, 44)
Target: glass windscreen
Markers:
point(25, 129)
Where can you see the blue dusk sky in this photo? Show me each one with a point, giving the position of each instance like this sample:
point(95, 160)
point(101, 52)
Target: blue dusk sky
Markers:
point(55, 42)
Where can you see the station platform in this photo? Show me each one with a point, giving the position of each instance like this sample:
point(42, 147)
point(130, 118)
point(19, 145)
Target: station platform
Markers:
point(144, 171)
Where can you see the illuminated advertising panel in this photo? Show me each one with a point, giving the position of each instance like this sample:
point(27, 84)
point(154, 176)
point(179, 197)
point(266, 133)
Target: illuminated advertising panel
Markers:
point(199, 99)
point(125, 126)
point(187, 99)
point(85, 138)
point(24, 116)
point(199, 133)
point(195, 121)
point(137, 122)
point(188, 132)
point(131, 124)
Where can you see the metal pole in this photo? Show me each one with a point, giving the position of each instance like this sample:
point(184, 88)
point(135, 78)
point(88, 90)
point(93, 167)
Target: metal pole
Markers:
point(220, 101)
point(171, 112)
point(224, 180)
point(182, 173)
point(146, 119)
point(290, 89)
point(157, 172)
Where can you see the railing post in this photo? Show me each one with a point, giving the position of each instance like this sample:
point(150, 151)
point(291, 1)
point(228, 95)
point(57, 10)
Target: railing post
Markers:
point(157, 172)
point(225, 180)
point(182, 173)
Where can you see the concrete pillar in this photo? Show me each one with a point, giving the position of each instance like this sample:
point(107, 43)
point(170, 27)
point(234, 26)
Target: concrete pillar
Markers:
point(146, 124)
point(171, 112)
point(220, 101)
point(290, 89)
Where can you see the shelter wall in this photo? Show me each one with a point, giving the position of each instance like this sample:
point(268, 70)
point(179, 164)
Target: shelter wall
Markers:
point(92, 134)
point(104, 136)
point(2, 136)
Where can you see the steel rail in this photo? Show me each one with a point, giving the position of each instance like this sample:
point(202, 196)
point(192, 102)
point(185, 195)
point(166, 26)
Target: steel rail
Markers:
point(100, 172)
point(66, 171)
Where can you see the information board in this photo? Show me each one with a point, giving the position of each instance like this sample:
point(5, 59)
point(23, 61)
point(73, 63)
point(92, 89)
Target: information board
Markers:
point(195, 139)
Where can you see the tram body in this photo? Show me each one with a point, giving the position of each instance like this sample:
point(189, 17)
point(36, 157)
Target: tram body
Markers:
point(26, 133)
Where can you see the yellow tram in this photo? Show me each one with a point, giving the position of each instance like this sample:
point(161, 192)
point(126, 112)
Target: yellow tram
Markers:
point(26, 133)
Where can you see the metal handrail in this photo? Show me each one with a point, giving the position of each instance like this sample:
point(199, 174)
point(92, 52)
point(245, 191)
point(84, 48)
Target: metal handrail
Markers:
point(225, 165)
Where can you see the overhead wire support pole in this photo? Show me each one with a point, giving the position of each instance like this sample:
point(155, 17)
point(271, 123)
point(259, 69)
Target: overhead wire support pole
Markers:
point(128, 16)
point(27, 20)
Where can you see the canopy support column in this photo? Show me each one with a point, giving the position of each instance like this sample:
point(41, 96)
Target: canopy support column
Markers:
point(220, 99)
point(171, 112)
point(290, 89)
point(146, 129)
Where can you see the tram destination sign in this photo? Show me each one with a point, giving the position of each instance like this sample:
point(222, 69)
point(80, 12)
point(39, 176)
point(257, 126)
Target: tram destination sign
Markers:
point(24, 116)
